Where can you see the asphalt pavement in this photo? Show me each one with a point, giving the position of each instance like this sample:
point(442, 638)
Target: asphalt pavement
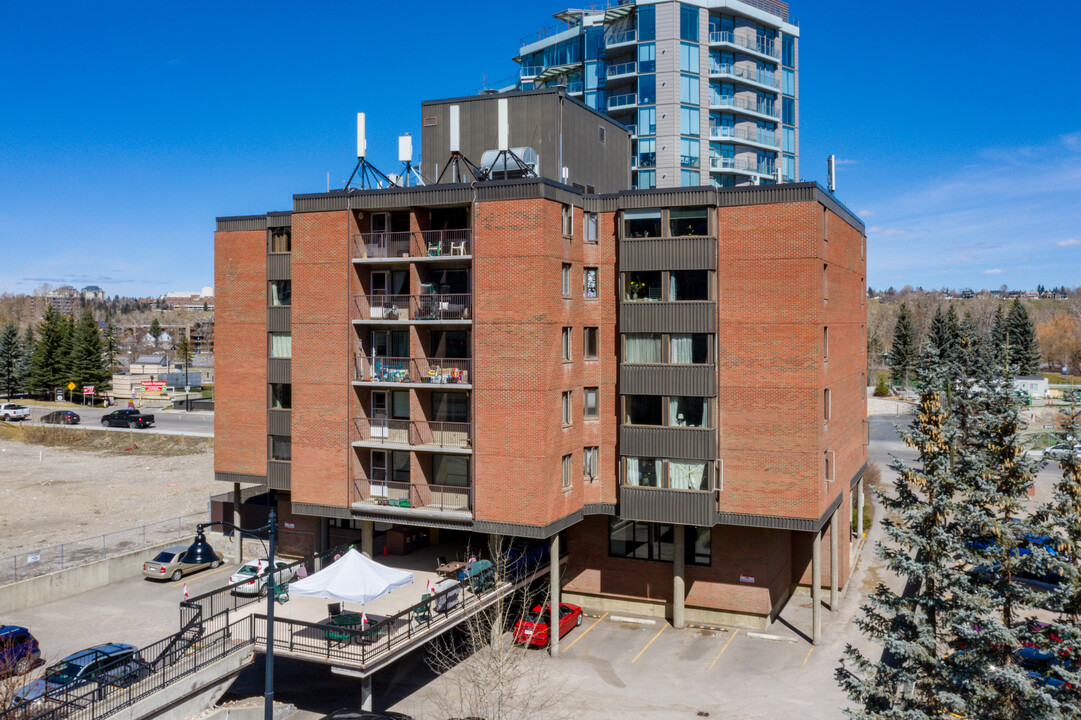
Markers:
point(198, 423)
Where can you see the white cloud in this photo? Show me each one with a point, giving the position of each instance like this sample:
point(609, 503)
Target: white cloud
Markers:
point(1068, 243)
point(840, 162)
point(879, 230)
point(866, 213)
point(994, 271)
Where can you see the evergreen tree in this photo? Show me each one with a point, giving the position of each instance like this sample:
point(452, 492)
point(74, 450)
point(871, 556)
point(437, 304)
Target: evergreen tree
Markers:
point(944, 336)
point(67, 344)
point(1024, 345)
point(87, 362)
point(184, 351)
point(155, 330)
point(26, 353)
point(47, 364)
point(110, 348)
point(10, 359)
point(999, 334)
point(903, 348)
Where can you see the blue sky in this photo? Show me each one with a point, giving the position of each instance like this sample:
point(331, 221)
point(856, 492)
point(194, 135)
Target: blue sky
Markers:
point(126, 128)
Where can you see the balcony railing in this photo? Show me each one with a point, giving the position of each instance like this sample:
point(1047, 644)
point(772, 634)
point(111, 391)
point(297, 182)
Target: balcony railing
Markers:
point(530, 71)
point(417, 243)
point(722, 132)
point(749, 74)
point(437, 371)
point(627, 68)
point(415, 433)
point(724, 163)
point(401, 308)
point(725, 101)
point(619, 101)
point(762, 46)
point(575, 88)
point(445, 498)
point(622, 38)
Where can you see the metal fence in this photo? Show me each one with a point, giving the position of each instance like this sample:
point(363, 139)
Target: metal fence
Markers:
point(80, 552)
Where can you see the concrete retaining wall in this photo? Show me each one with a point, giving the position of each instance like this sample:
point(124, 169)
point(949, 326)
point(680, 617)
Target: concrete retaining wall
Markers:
point(191, 695)
point(71, 581)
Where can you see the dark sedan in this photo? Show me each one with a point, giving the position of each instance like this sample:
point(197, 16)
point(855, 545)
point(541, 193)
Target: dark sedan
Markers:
point(61, 417)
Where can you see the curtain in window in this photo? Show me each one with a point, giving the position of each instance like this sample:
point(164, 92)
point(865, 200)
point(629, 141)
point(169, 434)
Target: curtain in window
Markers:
point(642, 471)
point(682, 350)
point(281, 345)
point(687, 475)
point(686, 412)
point(642, 348)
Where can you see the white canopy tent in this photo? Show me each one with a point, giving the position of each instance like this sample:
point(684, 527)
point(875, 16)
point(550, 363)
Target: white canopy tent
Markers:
point(352, 578)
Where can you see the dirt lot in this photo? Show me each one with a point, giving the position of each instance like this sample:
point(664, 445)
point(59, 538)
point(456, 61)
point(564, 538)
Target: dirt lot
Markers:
point(51, 494)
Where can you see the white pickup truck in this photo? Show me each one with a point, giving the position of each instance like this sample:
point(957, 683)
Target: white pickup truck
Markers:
point(11, 411)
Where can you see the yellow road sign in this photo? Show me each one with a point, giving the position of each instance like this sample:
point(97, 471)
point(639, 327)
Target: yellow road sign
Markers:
point(71, 386)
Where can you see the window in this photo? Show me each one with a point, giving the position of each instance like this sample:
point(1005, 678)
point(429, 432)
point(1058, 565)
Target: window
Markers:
point(788, 111)
point(589, 282)
point(281, 345)
point(788, 50)
point(643, 410)
point(688, 58)
point(647, 89)
point(566, 344)
point(568, 220)
point(646, 179)
point(281, 396)
point(646, 22)
point(690, 178)
point(688, 475)
point(826, 404)
point(567, 407)
point(450, 407)
point(825, 343)
point(399, 467)
point(281, 447)
point(647, 120)
point(688, 412)
point(688, 222)
point(827, 465)
point(601, 134)
point(567, 471)
point(689, 89)
point(689, 153)
point(444, 344)
point(566, 278)
point(788, 82)
point(590, 342)
point(688, 285)
point(688, 23)
point(643, 285)
point(281, 292)
point(281, 239)
point(788, 139)
point(642, 348)
point(591, 229)
point(647, 152)
point(654, 541)
point(589, 462)
point(647, 58)
point(669, 474)
point(450, 470)
point(399, 405)
point(825, 283)
point(788, 166)
point(690, 121)
point(589, 404)
point(642, 472)
point(688, 349)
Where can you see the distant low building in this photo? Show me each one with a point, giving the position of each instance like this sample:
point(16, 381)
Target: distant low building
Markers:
point(65, 300)
point(189, 301)
point(93, 293)
point(150, 365)
point(1032, 384)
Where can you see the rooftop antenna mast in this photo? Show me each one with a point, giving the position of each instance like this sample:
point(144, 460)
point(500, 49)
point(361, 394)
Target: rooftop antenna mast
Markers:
point(831, 172)
point(371, 177)
point(505, 153)
point(409, 173)
point(456, 158)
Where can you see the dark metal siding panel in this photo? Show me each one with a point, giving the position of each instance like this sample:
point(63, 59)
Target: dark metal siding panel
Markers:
point(279, 422)
point(239, 477)
point(685, 380)
point(857, 477)
point(328, 511)
point(677, 317)
point(279, 266)
point(278, 475)
point(528, 531)
point(279, 370)
point(242, 222)
point(279, 219)
point(599, 509)
point(278, 319)
point(685, 507)
point(668, 254)
point(663, 442)
point(780, 523)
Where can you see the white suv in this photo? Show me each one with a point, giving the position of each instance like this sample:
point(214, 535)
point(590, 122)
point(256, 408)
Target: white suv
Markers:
point(11, 411)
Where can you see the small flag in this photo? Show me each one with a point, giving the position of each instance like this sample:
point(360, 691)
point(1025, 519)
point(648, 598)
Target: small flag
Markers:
point(185, 589)
point(429, 588)
point(363, 618)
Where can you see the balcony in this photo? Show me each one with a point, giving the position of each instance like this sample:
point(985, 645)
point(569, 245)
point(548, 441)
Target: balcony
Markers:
point(763, 138)
point(760, 109)
point(447, 373)
point(622, 101)
point(722, 164)
point(418, 244)
point(770, 81)
point(575, 88)
point(452, 437)
point(619, 40)
point(431, 308)
point(420, 496)
point(766, 47)
point(528, 72)
point(622, 70)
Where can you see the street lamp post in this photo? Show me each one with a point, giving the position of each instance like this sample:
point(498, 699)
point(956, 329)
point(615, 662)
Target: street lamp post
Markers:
point(200, 551)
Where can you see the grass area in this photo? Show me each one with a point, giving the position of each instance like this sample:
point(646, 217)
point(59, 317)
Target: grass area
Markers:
point(132, 442)
point(1060, 379)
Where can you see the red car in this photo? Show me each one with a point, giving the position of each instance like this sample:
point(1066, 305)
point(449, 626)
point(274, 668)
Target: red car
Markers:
point(533, 630)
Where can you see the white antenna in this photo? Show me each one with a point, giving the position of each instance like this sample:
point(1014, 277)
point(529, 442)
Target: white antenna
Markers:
point(504, 126)
point(455, 129)
point(405, 148)
point(362, 142)
point(831, 172)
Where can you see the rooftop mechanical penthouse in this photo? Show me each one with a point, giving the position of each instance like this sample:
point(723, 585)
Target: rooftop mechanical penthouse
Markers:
point(669, 383)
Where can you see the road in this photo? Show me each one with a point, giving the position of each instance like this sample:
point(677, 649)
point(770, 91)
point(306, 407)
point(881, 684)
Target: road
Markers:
point(198, 423)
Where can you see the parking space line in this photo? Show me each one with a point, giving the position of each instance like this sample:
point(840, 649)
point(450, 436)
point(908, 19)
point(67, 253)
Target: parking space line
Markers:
point(734, 633)
point(568, 647)
point(663, 628)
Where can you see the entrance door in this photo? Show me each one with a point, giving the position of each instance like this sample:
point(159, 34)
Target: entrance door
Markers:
point(380, 414)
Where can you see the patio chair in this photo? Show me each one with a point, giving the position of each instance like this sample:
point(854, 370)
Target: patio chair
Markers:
point(441, 560)
point(422, 613)
point(334, 609)
point(482, 576)
point(337, 635)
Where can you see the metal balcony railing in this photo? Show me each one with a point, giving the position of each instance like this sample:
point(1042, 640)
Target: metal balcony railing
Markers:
point(723, 163)
point(622, 38)
point(530, 71)
point(445, 498)
point(727, 101)
point(763, 137)
point(770, 79)
point(618, 101)
point(415, 243)
point(437, 371)
point(627, 68)
point(414, 433)
point(400, 308)
point(763, 46)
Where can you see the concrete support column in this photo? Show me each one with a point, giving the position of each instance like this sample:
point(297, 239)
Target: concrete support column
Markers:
point(238, 539)
point(679, 593)
point(859, 511)
point(835, 542)
point(366, 694)
point(553, 598)
point(367, 537)
point(816, 588)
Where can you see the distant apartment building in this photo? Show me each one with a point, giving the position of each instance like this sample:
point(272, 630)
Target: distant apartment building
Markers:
point(66, 300)
point(709, 88)
point(668, 383)
point(188, 300)
point(92, 293)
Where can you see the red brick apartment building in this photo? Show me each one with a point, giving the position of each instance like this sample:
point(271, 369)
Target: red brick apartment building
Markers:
point(672, 381)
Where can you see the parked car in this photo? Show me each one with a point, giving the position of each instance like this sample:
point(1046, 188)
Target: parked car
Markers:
point(250, 580)
point(128, 417)
point(1040, 666)
point(1061, 451)
point(61, 417)
point(111, 664)
point(533, 629)
point(19, 651)
point(170, 564)
point(12, 411)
